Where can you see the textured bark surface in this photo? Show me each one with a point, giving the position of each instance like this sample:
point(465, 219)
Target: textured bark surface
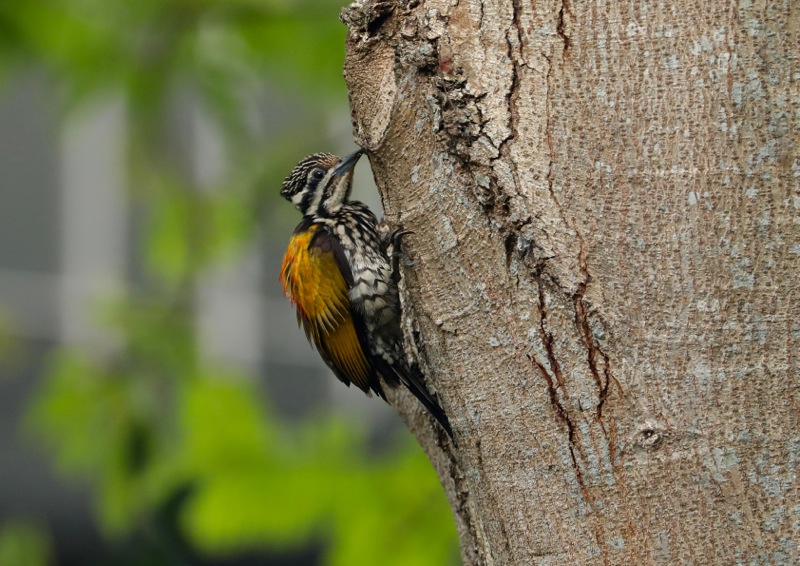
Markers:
point(603, 279)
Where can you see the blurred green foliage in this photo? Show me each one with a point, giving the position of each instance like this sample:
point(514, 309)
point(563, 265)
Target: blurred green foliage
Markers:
point(24, 543)
point(168, 439)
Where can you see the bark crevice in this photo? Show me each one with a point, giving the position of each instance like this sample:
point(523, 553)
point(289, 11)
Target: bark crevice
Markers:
point(593, 350)
point(554, 385)
point(560, 29)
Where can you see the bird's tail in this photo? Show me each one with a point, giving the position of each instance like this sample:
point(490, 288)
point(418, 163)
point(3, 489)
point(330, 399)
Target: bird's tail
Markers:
point(414, 383)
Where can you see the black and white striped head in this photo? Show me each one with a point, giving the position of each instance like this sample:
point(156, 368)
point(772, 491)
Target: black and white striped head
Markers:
point(320, 184)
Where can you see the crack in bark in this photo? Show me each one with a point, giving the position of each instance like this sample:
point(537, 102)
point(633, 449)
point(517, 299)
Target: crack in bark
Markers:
point(506, 538)
point(513, 92)
point(548, 128)
point(555, 368)
point(561, 412)
point(510, 245)
point(511, 98)
point(593, 349)
point(581, 316)
point(560, 26)
point(511, 102)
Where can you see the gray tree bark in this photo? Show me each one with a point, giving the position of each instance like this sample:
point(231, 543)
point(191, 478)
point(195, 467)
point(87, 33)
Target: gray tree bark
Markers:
point(603, 277)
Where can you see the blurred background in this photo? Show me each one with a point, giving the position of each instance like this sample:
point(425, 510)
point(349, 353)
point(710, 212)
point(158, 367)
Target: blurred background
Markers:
point(158, 404)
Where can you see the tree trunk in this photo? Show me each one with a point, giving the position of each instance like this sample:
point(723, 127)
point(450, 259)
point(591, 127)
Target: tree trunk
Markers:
point(603, 277)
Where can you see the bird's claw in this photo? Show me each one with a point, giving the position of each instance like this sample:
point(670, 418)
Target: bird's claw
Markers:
point(397, 237)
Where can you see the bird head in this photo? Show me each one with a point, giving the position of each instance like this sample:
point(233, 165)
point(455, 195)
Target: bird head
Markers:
point(321, 183)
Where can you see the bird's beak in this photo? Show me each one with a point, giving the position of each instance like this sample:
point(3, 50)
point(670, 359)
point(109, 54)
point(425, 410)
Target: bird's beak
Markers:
point(347, 163)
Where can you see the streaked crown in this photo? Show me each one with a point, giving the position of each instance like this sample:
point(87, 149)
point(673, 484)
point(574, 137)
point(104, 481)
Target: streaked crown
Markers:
point(320, 183)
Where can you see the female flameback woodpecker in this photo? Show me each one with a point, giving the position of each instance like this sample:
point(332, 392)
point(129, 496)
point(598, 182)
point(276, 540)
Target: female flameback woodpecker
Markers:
point(337, 274)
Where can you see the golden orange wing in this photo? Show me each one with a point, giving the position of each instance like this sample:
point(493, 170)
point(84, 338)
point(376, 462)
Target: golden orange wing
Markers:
point(318, 290)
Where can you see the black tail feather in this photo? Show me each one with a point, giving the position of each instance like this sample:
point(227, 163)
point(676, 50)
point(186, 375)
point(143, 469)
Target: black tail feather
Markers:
point(433, 407)
point(413, 380)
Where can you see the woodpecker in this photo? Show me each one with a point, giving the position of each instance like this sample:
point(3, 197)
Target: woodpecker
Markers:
point(341, 277)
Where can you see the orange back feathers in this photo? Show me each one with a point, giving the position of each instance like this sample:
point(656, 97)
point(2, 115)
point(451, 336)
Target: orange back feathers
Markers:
point(316, 287)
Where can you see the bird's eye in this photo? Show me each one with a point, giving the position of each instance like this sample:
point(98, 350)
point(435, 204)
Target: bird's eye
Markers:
point(317, 174)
